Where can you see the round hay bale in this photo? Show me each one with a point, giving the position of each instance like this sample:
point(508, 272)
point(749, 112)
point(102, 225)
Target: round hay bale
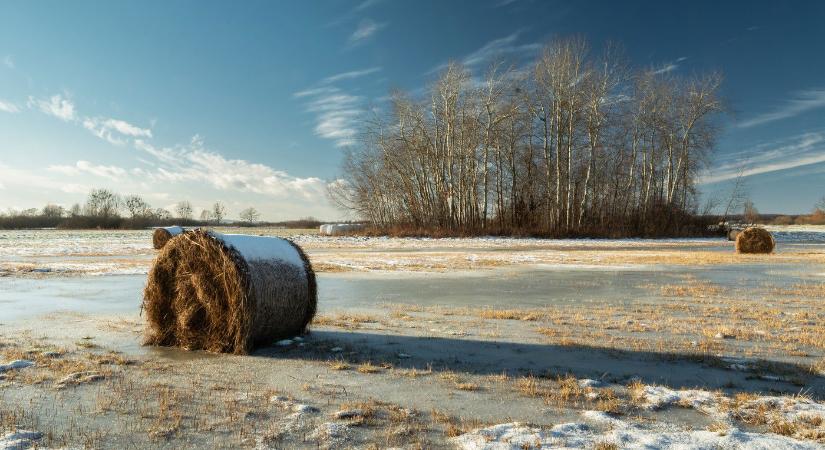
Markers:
point(732, 234)
point(754, 240)
point(228, 293)
point(162, 235)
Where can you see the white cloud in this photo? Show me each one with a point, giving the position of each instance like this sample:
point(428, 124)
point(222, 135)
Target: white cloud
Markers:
point(8, 107)
point(195, 163)
point(114, 130)
point(337, 116)
point(366, 28)
point(85, 167)
point(668, 67)
point(350, 75)
point(505, 47)
point(798, 151)
point(57, 106)
point(367, 4)
point(802, 102)
point(8, 61)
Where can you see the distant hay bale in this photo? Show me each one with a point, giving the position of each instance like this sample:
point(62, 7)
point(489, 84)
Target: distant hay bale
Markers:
point(732, 234)
point(162, 235)
point(338, 229)
point(228, 293)
point(754, 240)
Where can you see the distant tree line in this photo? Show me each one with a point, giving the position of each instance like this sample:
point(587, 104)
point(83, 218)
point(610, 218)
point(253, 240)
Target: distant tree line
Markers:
point(106, 209)
point(578, 144)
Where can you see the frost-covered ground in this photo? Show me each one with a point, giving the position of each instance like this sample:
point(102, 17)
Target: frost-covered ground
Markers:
point(44, 253)
point(431, 343)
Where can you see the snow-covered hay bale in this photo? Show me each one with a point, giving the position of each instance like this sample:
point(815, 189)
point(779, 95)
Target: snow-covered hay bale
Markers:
point(338, 229)
point(227, 293)
point(162, 235)
point(754, 240)
point(732, 234)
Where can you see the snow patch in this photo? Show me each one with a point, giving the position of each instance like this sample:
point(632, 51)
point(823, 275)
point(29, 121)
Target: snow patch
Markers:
point(20, 440)
point(16, 365)
point(658, 397)
point(517, 436)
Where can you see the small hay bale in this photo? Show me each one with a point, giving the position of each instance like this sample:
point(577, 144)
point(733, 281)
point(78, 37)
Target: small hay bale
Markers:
point(754, 240)
point(227, 293)
point(162, 235)
point(732, 234)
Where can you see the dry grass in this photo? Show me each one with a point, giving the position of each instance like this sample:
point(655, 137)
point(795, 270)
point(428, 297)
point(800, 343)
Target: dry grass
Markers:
point(368, 368)
point(509, 314)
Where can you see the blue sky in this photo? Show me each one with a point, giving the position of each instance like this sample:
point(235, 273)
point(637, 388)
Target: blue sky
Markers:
point(251, 103)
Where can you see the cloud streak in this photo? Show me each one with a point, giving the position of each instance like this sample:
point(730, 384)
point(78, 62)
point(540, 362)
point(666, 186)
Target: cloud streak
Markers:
point(798, 151)
point(366, 29)
point(505, 47)
point(56, 106)
point(802, 102)
point(350, 75)
point(113, 130)
point(8, 107)
point(85, 167)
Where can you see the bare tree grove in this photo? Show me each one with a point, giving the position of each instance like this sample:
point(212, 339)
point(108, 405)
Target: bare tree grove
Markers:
point(576, 144)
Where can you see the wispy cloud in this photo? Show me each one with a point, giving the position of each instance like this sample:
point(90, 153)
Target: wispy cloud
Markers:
point(366, 4)
point(8, 107)
point(337, 116)
point(797, 151)
point(350, 75)
point(85, 167)
point(800, 103)
point(8, 61)
point(505, 47)
point(503, 3)
point(668, 67)
point(366, 29)
point(114, 130)
point(57, 106)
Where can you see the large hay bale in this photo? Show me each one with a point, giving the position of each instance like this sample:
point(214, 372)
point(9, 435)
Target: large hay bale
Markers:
point(754, 240)
point(228, 293)
point(732, 234)
point(162, 235)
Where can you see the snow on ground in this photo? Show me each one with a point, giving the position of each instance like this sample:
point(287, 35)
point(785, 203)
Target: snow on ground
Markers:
point(16, 365)
point(20, 440)
point(597, 430)
point(658, 397)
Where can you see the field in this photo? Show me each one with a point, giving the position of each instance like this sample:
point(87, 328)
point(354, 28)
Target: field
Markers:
point(431, 343)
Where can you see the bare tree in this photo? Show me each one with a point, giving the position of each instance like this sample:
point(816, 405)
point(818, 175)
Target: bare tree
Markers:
point(577, 144)
point(820, 205)
point(184, 209)
point(52, 211)
point(250, 215)
point(102, 203)
point(206, 215)
point(750, 213)
point(218, 212)
point(136, 206)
